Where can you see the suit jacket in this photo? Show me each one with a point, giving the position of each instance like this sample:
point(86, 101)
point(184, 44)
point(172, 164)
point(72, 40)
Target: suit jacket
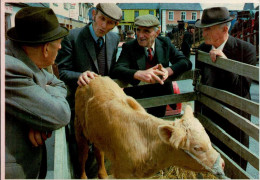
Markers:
point(235, 49)
point(133, 58)
point(241, 51)
point(78, 55)
point(34, 99)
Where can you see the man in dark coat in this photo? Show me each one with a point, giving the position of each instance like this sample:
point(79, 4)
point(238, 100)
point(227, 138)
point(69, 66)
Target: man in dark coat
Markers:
point(215, 23)
point(139, 61)
point(130, 35)
point(86, 52)
point(187, 41)
point(35, 100)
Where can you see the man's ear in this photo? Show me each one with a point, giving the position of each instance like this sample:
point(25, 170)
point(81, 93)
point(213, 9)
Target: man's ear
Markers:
point(158, 32)
point(94, 12)
point(45, 49)
point(117, 23)
point(175, 136)
point(225, 29)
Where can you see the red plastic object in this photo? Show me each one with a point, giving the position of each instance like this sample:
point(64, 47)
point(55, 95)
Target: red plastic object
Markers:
point(169, 110)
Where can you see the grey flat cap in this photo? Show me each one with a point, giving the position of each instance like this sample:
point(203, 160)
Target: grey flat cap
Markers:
point(147, 21)
point(110, 10)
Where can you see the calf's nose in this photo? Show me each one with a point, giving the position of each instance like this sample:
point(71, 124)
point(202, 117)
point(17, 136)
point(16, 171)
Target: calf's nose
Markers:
point(222, 164)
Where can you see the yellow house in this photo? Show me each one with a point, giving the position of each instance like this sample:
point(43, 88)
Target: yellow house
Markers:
point(132, 10)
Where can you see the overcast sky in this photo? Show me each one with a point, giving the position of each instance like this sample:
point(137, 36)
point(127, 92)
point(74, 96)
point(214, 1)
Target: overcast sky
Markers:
point(230, 6)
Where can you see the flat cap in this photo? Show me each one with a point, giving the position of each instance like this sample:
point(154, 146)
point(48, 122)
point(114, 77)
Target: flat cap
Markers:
point(110, 10)
point(130, 32)
point(147, 21)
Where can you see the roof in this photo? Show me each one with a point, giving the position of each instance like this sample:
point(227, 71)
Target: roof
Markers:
point(38, 4)
point(138, 5)
point(248, 6)
point(181, 6)
point(168, 6)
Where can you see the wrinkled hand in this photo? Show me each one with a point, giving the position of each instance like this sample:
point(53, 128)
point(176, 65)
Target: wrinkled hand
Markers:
point(216, 52)
point(37, 137)
point(85, 78)
point(166, 74)
point(152, 75)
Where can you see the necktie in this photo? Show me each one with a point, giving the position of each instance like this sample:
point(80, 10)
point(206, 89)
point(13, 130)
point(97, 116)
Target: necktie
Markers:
point(100, 42)
point(150, 55)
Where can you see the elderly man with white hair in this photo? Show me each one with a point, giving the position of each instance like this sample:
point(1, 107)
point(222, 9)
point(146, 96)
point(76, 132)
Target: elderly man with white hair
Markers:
point(215, 23)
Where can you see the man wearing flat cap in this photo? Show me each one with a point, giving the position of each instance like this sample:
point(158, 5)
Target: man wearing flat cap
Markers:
point(140, 59)
point(86, 52)
point(215, 23)
point(130, 35)
point(35, 100)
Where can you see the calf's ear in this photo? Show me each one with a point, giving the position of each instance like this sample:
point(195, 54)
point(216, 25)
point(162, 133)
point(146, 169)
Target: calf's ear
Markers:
point(175, 136)
point(188, 112)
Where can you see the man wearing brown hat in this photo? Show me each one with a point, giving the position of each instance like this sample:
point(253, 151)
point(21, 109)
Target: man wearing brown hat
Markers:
point(215, 23)
point(140, 59)
point(35, 100)
point(86, 52)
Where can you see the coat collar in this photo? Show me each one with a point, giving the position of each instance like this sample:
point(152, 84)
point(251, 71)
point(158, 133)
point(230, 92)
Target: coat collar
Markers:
point(15, 50)
point(159, 51)
point(230, 46)
point(139, 52)
point(90, 46)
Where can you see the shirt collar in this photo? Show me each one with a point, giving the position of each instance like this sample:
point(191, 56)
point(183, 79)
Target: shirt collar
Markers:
point(153, 48)
point(93, 34)
point(221, 47)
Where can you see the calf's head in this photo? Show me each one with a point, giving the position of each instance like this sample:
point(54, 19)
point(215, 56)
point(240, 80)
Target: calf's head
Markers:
point(189, 135)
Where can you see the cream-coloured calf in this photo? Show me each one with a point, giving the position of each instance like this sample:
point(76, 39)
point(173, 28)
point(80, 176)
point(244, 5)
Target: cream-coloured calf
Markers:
point(137, 143)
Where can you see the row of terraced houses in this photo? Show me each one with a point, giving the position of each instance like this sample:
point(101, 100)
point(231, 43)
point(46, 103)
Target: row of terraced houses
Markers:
point(74, 15)
point(168, 13)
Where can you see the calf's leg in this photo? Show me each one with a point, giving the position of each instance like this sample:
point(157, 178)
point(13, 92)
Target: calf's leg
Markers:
point(100, 157)
point(83, 149)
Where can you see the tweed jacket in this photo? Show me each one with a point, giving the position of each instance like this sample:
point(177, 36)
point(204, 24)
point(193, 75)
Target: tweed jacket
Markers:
point(234, 49)
point(78, 55)
point(133, 58)
point(34, 99)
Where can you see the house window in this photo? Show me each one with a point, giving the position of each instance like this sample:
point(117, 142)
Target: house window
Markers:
point(183, 15)
point(170, 16)
point(151, 12)
point(66, 6)
point(123, 15)
point(72, 5)
point(80, 9)
point(136, 14)
point(55, 4)
point(194, 16)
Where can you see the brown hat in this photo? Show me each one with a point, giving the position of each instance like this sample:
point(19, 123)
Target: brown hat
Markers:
point(36, 25)
point(110, 10)
point(213, 16)
point(147, 21)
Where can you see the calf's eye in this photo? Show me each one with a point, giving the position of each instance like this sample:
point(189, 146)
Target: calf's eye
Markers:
point(197, 148)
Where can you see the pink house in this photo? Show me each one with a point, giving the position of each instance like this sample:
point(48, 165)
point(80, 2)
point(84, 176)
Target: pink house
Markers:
point(171, 13)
